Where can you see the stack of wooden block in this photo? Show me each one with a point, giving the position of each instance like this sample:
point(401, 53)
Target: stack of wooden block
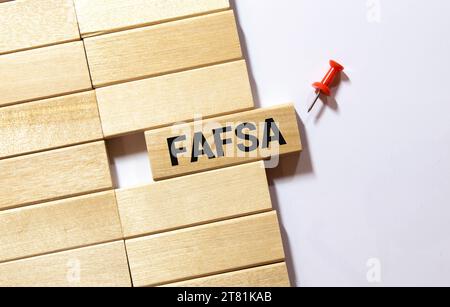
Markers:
point(74, 73)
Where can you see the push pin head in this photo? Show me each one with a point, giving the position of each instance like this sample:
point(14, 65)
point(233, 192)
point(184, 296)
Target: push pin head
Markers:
point(323, 87)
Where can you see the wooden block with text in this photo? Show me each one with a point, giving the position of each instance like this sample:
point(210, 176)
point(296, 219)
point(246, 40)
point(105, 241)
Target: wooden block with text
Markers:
point(161, 49)
point(98, 17)
point(161, 101)
point(223, 141)
point(205, 250)
point(274, 275)
point(53, 175)
point(43, 73)
point(27, 24)
point(195, 199)
point(48, 124)
point(59, 225)
point(102, 265)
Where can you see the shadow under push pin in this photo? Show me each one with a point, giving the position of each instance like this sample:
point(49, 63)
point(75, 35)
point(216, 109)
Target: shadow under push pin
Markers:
point(324, 86)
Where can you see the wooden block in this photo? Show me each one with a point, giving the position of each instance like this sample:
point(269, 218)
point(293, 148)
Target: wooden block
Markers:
point(161, 49)
point(98, 17)
point(205, 250)
point(274, 275)
point(60, 225)
point(27, 24)
point(49, 124)
point(157, 102)
point(194, 200)
point(55, 174)
point(178, 150)
point(103, 265)
point(43, 73)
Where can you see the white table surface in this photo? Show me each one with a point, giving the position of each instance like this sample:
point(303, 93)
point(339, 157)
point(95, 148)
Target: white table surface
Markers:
point(368, 201)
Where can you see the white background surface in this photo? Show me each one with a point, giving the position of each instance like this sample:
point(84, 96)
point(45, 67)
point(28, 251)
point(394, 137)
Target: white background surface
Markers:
point(374, 179)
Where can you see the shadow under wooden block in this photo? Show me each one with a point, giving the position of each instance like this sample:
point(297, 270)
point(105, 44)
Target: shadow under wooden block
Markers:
point(274, 275)
point(43, 73)
point(160, 101)
point(59, 225)
point(223, 141)
point(205, 250)
point(49, 124)
point(53, 175)
point(28, 24)
point(98, 17)
point(103, 265)
point(161, 49)
point(194, 200)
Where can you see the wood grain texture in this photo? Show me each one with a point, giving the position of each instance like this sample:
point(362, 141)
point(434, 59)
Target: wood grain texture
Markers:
point(60, 225)
point(161, 49)
point(194, 200)
point(54, 174)
point(27, 24)
point(43, 73)
point(163, 166)
point(205, 250)
point(103, 265)
point(49, 124)
point(160, 101)
point(98, 17)
point(274, 275)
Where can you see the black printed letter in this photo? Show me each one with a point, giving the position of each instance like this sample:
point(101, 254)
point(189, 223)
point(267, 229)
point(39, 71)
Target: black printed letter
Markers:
point(219, 141)
point(200, 141)
point(175, 151)
point(247, 137)
point(272, 126)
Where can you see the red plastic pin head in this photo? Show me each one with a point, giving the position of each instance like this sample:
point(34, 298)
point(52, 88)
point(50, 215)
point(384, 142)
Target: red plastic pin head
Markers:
point(323, 87)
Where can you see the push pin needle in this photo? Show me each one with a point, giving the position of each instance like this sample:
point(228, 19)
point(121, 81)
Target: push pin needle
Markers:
point(324, 86)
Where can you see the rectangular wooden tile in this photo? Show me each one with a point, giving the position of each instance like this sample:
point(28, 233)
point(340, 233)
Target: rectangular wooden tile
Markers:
point(43, 73)
point(223, 141)
point(98, 17)
point(160, 101)
point(164, 48)
point(59, 225)
point(54, 174)
point(48, 124)
point(205, 250)
point(103, 265)
point(27, 24)
point(194, 199)
point(274, 275)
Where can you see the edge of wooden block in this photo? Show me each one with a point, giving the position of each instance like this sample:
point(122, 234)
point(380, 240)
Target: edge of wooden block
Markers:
point(40, 43)
point(27, 115)
point(59, 225)
point(141, 266)
point(144, 210)
point(104, 186)
point(70, 268)
point(272, 275)
point(87, 31)
point(112, 100)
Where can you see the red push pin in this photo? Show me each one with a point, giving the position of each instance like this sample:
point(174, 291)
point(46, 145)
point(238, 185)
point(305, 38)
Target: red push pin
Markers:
point(324, 86)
